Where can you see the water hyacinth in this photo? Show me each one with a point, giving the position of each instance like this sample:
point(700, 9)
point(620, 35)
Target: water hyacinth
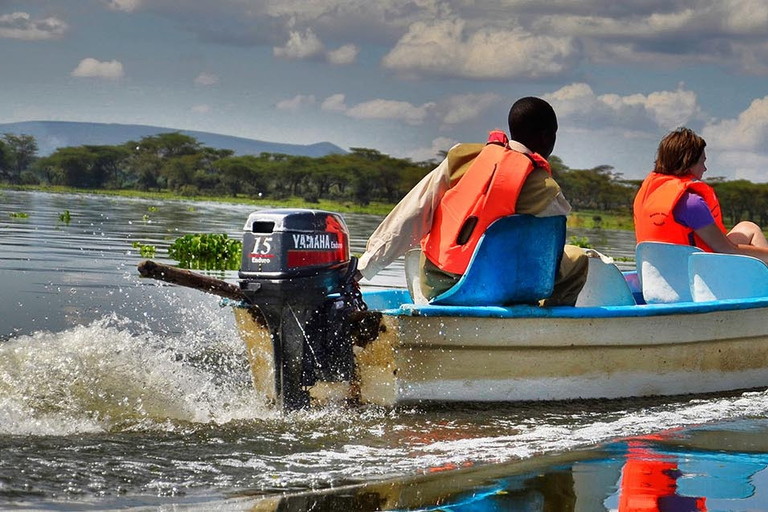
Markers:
point(207, 251)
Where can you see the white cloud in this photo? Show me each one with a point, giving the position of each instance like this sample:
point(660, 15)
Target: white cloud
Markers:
point(667, 110)
point(346, 54)
point(466, 107)
point(442, 49)
point(92, 68)
point(124, 5)
point(433, 152)
point(300, 46)
point(206, 79)
point(296, 103)
point(389, 109)
point(20, 25)
point(749, 131)
point(202, 109)
point(334, 103)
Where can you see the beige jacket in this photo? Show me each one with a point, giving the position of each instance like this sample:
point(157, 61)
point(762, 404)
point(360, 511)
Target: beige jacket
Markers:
point(411, 219)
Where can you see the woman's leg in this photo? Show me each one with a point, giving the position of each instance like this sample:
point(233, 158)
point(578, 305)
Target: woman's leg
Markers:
point(747, 233)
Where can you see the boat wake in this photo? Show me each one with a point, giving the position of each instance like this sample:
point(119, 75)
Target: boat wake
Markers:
point(116, 375)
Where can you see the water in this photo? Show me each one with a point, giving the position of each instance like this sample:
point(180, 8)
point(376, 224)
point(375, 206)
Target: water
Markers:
point(123, 393)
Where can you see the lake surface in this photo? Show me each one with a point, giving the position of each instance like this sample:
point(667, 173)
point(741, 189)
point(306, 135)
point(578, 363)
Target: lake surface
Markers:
point(123, 393)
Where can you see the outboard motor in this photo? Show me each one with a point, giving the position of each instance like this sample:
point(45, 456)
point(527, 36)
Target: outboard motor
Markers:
point(297, 269)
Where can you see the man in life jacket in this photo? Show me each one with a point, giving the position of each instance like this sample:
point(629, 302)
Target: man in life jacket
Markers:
point(428, 215)
point(673, 205)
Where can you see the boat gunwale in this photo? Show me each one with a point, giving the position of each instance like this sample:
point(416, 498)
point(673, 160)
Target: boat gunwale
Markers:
point(397, 296)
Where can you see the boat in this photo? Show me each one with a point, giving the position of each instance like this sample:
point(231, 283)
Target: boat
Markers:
point(684, 322)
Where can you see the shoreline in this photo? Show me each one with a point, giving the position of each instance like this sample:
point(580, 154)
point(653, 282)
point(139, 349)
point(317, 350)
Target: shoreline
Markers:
point(577, 219)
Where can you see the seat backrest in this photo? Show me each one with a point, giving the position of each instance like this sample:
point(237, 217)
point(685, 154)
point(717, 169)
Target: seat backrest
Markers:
point(605, 286)
point(515, 262)
point(663, 271)
point(412, 276)
point(726, 276)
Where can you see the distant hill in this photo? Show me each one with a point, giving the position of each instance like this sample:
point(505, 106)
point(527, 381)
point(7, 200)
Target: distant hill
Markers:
point(51, 135)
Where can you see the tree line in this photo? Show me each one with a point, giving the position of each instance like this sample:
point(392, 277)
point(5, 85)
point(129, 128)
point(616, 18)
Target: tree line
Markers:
point(179, 163)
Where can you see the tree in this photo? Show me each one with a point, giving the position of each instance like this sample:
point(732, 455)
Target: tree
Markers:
point(22, 150)
point(74, 166)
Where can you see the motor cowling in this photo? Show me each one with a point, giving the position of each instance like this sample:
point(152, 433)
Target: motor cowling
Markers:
point(296, 268)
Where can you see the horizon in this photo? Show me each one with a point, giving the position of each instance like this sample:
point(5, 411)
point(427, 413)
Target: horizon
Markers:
point(405, 77)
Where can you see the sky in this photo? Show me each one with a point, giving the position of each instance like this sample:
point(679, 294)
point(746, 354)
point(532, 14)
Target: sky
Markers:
point(408, 78)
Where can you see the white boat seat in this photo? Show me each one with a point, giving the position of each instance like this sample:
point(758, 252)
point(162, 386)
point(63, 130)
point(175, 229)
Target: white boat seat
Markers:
point(412, 277)
point(726, 276)
point(515, 262)
point(663, 271)
point(605, 286)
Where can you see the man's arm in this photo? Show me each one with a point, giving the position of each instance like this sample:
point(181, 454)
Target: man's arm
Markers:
point(406, 224)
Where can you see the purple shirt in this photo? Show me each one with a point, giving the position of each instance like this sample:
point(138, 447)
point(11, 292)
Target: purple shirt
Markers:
point(692, 211)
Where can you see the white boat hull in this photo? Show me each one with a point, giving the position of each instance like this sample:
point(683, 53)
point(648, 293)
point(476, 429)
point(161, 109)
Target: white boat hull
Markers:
point(433, 354)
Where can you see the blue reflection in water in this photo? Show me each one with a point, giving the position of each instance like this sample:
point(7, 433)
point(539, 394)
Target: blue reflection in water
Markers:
point(668, 473)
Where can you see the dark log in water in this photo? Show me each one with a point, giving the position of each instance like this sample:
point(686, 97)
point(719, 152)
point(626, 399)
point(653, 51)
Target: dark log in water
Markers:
point(161, 272)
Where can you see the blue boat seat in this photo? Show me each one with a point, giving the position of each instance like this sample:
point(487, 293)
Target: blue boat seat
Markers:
point(605, 286)
point(663, 271)
point(515, 262)
point(726, 276)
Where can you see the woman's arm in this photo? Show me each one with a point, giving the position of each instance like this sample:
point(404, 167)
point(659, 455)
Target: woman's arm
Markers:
point(719, 242)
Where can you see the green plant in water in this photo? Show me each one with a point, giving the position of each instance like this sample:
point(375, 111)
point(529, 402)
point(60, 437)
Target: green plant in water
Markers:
point(580, 241)
point(208, 251)
point(65, 217)
point(145, 218)
point(19, 215)
point(152, 208)
point(146, 250)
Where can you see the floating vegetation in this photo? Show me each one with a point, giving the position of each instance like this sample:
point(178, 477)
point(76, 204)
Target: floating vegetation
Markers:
point(65, 217)
point(146, 250)
point(152, 208)
point(145, 218)
point(208, 251)
point(580, 241)
point(19, 215)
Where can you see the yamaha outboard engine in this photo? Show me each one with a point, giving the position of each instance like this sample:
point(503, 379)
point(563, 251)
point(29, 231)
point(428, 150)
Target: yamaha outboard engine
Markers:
point(296, 268)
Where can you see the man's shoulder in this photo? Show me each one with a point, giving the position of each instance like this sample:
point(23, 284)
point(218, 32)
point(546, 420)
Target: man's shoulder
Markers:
point(460, 157)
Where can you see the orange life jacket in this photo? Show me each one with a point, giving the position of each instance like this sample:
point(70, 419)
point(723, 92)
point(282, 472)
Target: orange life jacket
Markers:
point(655, 201)
point(488, 191)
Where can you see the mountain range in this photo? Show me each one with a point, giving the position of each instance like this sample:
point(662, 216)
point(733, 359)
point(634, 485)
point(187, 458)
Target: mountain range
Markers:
point(51, 135)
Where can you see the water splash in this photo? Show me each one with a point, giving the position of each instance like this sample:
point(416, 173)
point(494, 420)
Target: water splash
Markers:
point(115, 375)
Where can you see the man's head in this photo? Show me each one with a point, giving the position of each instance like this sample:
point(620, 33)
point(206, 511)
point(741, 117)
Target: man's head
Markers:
point(532, 121)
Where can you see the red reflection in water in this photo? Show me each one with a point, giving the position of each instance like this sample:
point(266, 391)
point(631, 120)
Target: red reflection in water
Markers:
point(649, 484)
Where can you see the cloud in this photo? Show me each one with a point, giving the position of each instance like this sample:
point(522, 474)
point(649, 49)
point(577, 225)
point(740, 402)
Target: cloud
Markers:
point(433, 152)
point(20, 25)
point(581, 107)
point(393, 110)
point(380, 109)
point(296, 103)
point(346, 54)
point(749, 131)
point(202, 109)
point(334, 103)
point(466, 107)
point(92, 68)
point(300, 46)
point(206, 79)
point(124, 5)
point(443, 49)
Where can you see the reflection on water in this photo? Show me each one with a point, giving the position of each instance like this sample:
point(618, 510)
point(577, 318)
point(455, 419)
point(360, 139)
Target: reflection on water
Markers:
point(120, 392)
point(676, 471)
